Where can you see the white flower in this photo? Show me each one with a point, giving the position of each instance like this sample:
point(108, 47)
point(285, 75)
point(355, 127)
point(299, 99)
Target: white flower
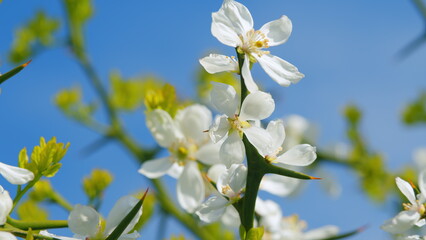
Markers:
point(419, 157)
point(15, 175)
point(278, 227)
point(298, 155)
point(232, 25)
point(7, 236)
point(6, 204)
point(230, 185)
point(47, 234)
point(185, 138)
point(215, 63)
point(235, 121)
point(298, 129)
point(86, 222)
point(413, 211)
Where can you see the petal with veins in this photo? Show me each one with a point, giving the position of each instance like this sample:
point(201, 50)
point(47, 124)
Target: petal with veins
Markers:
point(276, 130)
point(190, 187)
point(246, 73)
point(260, 138)
point(156, 168)
point(219, 129)
point(215, 63)
point(211, 210)
point(232, 150)
point(15, 175)
point(281, 71)
point(224, 98)
point(257, 106)
point(277, 31)
point(299, 155)
point(235, 16)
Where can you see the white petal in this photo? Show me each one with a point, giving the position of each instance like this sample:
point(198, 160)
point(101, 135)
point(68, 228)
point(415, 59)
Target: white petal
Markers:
point(401, 222)
point(224, 33)
point(120, 210)
point(215, 63)
point(211, 210)
point(422, 183)
point(6, 204)
point(209, 153)
point(257, 106)
point(321, 233)
point(224, 98)
point(235, 16)
point(7, 236)
point(279, 185)
point(299, 155)
point(15, 175)
point(235, 178)
point(190, 187)
point(175, 171)
point(232, 150)
point(84, 221)
point(47, 234)
point(260, 138)
point(281, 71)
point(193, 121)
point(420, 223)
point(129, 236)
point(219, 129)
point(270, 213)
point(231, 218)
point(156, 168)
point(276, 130)
point(163, 128)
point(277, 31)
point(246, 73)
point(215, 171)
point(406, 189)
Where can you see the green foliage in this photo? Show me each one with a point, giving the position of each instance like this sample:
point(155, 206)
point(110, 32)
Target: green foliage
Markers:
point(42, 190)
point(95, 184)
point(129, 94)
point(69, 101)
point(375, 179)
point(164, 98)
point(204, 80)
point(44, 158)
point(31, 211)
point(415, 112)
point(38, 32)
point(79, 12)
point(220, 232)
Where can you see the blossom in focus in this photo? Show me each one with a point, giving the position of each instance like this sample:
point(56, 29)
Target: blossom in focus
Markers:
point(232, 25)
point(413, 211)
point(278, 227)
point(85, 222)
point(6, 204)
point(236, 121)
point(15, 175)
point(230, 185)
point(186, 140)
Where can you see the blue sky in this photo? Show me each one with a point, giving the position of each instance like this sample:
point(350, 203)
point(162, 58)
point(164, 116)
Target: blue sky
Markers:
point(346, 49)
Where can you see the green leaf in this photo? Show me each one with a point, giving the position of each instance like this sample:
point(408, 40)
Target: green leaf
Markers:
point(148, 211)
point(255, 233)
point(13, 72)
point(127, 219)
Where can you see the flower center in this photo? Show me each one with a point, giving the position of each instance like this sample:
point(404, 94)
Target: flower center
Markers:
point(253, 42)
point(420, 208)
point(237, 124)
point(271, 157)
point(184, 151)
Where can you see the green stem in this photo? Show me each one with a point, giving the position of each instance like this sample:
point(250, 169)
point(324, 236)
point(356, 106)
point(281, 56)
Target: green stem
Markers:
point(37, 225)
point(61, 201)
point(421, 6)
point(244, 91)
point(20, 194)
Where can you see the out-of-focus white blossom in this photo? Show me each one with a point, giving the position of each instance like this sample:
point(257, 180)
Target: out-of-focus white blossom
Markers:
point(6, 204)
point(15, 175)
point(85, 222)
